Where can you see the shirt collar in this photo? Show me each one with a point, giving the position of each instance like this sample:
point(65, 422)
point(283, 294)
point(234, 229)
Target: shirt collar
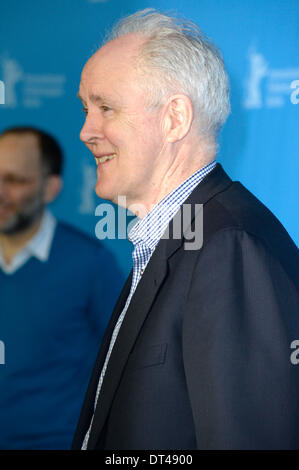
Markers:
point(40, 245)
point(149, 230)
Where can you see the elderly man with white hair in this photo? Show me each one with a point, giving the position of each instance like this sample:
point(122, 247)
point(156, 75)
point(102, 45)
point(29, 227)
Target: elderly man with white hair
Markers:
point(197, 354)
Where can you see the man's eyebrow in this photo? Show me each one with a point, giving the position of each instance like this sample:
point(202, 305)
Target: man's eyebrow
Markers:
point(98, 99)
point(93, 98)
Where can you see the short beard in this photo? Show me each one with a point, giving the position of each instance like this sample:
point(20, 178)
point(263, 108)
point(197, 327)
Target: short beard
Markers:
point(21, 222)
point(28, 215)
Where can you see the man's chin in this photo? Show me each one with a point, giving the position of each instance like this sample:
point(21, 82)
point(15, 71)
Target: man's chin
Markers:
point(102, 193)
point(7, 227)
point(17, 225)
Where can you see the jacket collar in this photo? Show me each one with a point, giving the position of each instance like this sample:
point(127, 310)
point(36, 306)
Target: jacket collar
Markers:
point(214, 183)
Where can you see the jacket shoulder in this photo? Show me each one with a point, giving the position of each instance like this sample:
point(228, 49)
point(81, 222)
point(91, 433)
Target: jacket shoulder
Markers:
point(237, 208)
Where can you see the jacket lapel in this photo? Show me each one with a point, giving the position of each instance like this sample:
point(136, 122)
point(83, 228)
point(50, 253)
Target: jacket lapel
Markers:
point(136, 314)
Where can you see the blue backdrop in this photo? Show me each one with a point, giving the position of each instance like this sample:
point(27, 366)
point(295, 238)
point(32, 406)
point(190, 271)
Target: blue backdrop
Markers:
point(44, 45)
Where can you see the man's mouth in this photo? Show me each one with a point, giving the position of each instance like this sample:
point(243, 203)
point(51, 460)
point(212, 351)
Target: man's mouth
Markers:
point(104, 158)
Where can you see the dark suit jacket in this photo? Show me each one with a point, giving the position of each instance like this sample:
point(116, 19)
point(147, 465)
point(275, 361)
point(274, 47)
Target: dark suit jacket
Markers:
point(202, 360)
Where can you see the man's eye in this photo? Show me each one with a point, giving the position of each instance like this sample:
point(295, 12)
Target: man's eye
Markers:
point(84, 110)
point(105, 108)
point(11, 180)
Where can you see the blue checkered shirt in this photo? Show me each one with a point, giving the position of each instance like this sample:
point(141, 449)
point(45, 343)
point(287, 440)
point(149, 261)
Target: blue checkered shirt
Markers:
point(145, 236)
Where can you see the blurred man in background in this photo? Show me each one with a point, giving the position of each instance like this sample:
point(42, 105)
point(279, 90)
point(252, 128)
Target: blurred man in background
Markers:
point(57, 289)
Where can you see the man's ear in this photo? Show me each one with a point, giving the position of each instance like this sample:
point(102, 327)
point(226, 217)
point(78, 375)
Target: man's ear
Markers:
point(53, 187)
point(179, 117)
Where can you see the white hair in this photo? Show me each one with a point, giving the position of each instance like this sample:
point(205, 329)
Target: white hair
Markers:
point(178, 58)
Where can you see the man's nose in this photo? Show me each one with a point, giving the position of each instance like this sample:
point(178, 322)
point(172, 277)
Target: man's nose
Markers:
point(92, 129)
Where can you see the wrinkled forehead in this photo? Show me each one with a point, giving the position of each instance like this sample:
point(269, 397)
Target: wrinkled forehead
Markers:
point(123, 49)
point(118, 57)
point(19, 153)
